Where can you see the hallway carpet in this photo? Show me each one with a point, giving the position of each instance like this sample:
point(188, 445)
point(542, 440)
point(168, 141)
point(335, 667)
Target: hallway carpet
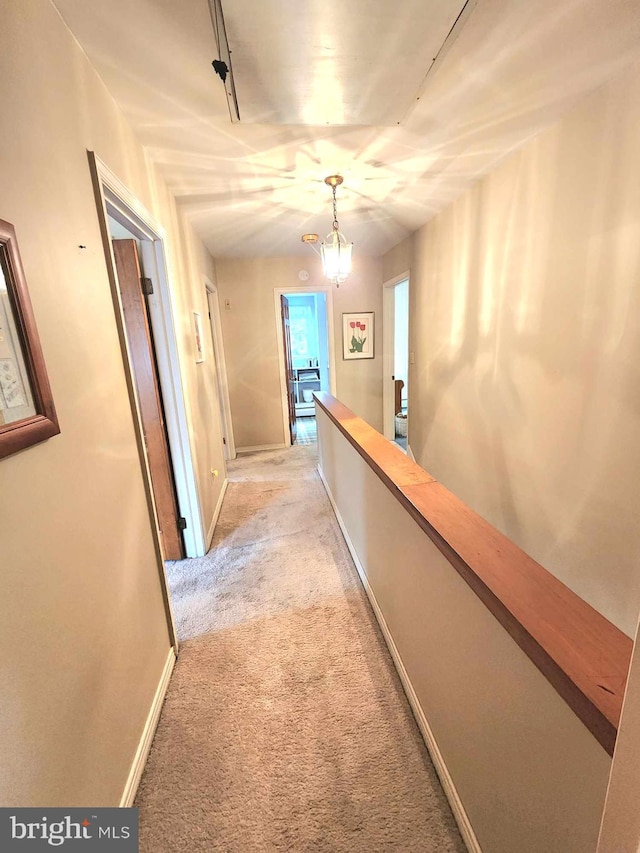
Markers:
point(285, 727)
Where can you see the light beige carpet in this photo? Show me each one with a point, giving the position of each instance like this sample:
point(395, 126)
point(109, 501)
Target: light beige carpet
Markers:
point(285, 726)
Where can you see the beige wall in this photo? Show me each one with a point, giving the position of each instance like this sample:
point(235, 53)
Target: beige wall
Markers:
point(250, 341)
point(82, 624)
point(531, 777)
point(189, 267)
point(397, 260)
point(525, 322)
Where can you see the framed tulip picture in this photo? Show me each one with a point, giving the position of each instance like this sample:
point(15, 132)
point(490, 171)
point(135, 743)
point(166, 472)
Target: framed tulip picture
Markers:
point(358, 335)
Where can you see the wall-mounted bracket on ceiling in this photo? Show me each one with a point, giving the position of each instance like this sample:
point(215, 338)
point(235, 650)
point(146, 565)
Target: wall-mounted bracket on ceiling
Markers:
point(311, 240)
point(222, 65)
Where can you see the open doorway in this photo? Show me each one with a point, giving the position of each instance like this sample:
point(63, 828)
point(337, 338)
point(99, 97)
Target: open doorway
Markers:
point(396, 360)
point(135, 289)
point(305, 356)
point(220, 369)
point(122, 217)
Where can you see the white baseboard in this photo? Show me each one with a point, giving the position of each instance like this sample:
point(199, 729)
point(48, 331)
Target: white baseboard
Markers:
point(142, 752)
point(410, 453)
point(459, 813)
point(216, 513)
point(260, 447)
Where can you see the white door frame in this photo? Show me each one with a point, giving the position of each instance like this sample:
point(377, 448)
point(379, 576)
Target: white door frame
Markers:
point(388, 352)
point(118, 202)
point(288, 291)
point(220, 365)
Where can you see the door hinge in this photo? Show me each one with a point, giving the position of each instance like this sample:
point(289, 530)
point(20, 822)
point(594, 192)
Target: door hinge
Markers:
point(147, 286)
point(182, 523)
point(224, 440)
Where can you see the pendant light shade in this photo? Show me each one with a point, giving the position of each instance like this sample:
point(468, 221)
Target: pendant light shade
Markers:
point(335, 251)
point(336, 257)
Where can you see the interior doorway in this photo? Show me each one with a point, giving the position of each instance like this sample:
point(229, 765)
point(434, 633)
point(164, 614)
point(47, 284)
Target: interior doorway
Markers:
point(220, 369)
point(396, 360)
point(121, 215)
point(134, 291)
point(288, 369)
point(305, 342)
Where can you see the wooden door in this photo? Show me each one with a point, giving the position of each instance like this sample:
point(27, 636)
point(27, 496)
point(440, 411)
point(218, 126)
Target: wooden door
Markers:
point(145, 375)
point(288, 366)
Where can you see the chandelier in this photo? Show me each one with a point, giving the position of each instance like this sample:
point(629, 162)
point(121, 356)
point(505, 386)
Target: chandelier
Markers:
point(334, 250)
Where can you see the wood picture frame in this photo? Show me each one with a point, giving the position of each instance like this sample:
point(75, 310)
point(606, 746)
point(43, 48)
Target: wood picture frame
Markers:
point(27, 411)
point(358, 335)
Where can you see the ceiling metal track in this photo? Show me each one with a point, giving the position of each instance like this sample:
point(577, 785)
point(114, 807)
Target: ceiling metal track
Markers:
point(452, 35)
point(224, 54)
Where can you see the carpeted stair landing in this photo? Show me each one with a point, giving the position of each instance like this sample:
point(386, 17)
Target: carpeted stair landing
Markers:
point(285, 727)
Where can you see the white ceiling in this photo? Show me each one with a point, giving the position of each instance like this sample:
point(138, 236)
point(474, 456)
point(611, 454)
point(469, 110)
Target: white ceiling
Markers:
point(253, 188)
point(300, 69)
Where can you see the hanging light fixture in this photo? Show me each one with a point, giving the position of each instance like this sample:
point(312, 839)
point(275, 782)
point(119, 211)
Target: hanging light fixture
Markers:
point(334, 250)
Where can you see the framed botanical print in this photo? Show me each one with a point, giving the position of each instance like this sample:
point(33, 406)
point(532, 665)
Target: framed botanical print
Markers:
point(27, 413)
point(358, 335)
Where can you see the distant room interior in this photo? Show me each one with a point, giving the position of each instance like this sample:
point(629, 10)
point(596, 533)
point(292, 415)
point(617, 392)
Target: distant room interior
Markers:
point(401, 360)
point(309, 349)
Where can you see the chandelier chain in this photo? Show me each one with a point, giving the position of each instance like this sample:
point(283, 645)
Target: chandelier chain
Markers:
point(335, 211)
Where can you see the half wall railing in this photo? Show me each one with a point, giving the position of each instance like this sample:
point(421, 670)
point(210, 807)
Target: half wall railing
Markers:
point(516, 682)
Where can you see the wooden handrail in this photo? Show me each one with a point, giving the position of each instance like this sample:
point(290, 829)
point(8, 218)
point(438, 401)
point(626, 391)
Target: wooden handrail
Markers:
point(583, 655)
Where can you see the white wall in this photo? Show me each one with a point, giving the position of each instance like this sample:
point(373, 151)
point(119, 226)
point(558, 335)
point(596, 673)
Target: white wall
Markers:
point(526, 327)
point(82, 622)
